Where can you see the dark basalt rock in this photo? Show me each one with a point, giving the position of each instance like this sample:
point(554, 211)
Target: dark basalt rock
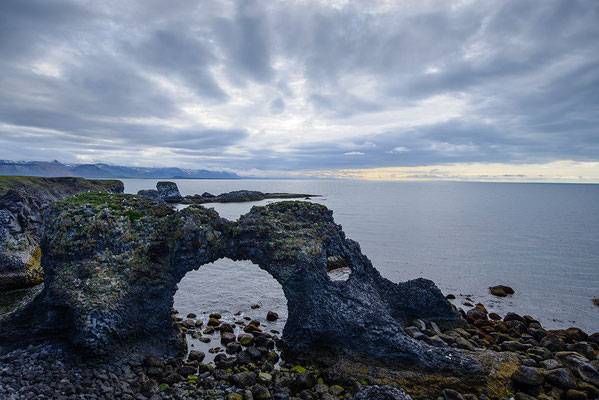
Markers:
point(501, 290)
point(151, 195)
point(22, 199)
point(112, 264)
point(381, 393)
point(168, 191)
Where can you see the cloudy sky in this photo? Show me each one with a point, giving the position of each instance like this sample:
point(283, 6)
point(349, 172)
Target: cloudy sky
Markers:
point(476, 90)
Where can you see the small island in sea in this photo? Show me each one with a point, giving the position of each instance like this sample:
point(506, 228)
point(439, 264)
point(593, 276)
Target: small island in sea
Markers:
point(103, 324)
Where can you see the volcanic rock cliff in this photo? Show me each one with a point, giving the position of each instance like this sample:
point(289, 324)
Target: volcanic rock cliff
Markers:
point(112, 263)
point(22, 200)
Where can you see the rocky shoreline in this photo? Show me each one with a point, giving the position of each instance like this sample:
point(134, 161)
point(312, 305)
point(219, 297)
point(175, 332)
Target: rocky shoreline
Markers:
point(251, 363)
point(103, 324)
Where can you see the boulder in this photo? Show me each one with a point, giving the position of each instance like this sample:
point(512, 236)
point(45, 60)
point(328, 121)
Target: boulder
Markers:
point(168, 191)
point(560, 378)
point(381, 393)
point(501, 290)
point(527, 376)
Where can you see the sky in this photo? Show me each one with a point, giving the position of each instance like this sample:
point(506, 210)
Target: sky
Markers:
point(425, 90)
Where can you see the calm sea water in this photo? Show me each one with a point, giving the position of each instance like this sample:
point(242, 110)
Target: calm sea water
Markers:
point(540, 239)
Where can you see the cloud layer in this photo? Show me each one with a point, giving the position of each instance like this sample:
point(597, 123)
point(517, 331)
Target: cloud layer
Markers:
point(306, 85)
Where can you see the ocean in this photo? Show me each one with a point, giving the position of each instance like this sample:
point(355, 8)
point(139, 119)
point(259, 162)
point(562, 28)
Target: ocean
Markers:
point(540, 239)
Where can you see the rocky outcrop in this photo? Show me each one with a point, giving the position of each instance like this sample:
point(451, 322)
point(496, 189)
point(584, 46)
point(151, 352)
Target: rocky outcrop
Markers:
point(169, 192)
point(112, 264)
point(22, 200)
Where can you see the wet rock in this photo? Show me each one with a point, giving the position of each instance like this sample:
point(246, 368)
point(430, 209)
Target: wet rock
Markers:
point(233, 348)
point(213, 322)
point(272, 316)
point(187, 370)
point(512, 316)
point(265, 378)
point(576, 334)
point(501, 290)
point(553, 343)
point(188, 324)
point(243, 379)
point(513, 346)
point(224, 362)
point(583, 348)
point(226, 328)
point(381, 393)
point(541, 352)
point(518, 326)
point(476, 313)
point(580, 366)
point(260, 392)
point(494, 316)
point(172, 378)
point(561, 378)
point(227, 337)
point(528, 376)
point(537, 334)
point(245, 339)
point(450, 296)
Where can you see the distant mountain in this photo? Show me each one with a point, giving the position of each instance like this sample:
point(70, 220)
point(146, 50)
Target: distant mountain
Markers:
point(55, 169)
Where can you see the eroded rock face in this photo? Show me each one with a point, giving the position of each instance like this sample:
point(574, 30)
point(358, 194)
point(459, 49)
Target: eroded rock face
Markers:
point(22, 200)
point(168, 191)
point(112, 263)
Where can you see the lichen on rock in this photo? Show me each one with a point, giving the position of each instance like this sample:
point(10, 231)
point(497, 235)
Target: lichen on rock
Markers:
point(112, 264)
point(22, 200)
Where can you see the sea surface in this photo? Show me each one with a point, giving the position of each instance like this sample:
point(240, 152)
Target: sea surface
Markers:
point(540, 239)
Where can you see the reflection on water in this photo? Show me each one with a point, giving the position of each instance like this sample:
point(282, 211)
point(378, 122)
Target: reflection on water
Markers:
point(14, 299)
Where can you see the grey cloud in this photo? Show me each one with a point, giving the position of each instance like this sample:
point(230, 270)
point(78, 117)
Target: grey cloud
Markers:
point(528, 71)
point(179, 54)
point(277, 106)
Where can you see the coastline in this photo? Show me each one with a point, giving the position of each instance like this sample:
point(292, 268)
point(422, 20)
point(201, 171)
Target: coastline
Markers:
point(535, 363)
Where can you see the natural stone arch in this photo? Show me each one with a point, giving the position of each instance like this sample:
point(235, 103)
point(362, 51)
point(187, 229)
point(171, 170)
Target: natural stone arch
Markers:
point(112, 264)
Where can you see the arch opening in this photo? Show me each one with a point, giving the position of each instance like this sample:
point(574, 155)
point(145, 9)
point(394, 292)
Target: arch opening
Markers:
point(239, 293)
point(338, 270)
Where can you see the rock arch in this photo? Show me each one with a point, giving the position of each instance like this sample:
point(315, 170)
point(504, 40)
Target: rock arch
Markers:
point(112, 263)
